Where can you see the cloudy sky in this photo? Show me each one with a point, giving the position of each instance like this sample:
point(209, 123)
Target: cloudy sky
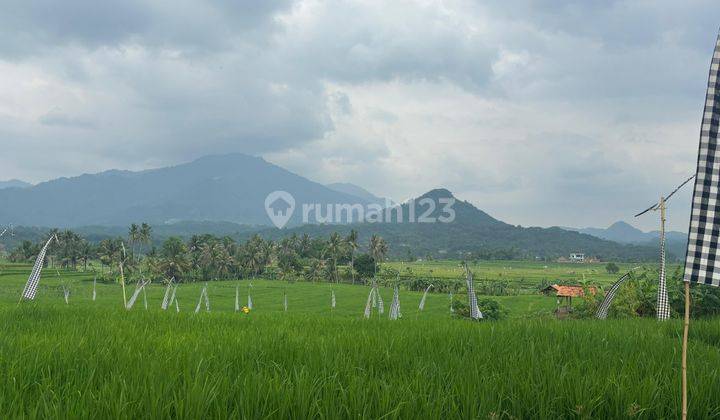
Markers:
point(544, 112)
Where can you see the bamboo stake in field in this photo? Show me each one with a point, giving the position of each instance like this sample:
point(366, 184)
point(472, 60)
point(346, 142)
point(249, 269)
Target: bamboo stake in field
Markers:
point(122, 283)
point(663, 307)
point(686, 328)
point(145, 299)
point(237, 298)
point(701, 259)
point(122, 274)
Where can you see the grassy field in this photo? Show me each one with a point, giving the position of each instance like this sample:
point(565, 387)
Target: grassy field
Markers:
point(527, 272)
point(95, 359)
point(267, 296)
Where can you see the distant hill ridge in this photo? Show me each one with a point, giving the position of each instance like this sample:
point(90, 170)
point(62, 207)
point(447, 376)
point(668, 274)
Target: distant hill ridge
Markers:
point(225, 195)
point(14, 183)
point(229, 188)
point(625, 233)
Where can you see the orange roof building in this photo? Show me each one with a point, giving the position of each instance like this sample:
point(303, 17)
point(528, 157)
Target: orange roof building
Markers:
point(568, 291)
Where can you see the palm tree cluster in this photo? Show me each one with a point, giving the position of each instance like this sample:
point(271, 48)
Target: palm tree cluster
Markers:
point(68, 251)
point(208, 257)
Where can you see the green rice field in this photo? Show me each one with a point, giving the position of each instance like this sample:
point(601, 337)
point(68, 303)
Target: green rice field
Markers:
point(95, 359)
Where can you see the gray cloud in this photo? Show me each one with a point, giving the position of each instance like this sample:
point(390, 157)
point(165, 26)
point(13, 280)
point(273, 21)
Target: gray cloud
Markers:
point(584, 109)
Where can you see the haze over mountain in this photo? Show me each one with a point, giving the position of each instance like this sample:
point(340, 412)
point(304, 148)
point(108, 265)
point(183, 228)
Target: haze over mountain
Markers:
point(14, 183)
point(230, 188)
point(357, 191)
point(625, 233)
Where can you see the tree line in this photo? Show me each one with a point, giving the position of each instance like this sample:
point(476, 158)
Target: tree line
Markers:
point(334, 258)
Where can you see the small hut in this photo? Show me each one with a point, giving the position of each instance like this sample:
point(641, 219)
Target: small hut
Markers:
point(564, 295)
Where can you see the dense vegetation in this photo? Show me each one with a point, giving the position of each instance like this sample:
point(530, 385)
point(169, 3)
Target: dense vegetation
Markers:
point(207, 257)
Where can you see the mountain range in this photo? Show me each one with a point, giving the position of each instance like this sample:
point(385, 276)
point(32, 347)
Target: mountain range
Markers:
point(357, 191)
point(14, 183)
point(226, 194)
point(230, 188)
point(625, 233)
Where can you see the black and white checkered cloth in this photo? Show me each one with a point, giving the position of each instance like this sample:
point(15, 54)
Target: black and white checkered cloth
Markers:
point(32, 283)
point(472, 298)
point(602, 311)
point(663, 308)
point(701, 263)
point(380, 302)
point(395, 305)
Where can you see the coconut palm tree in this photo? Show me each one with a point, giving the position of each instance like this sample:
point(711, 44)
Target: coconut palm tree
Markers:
point(315, 269)
point(145, 234)
point(224, 262)
point(352, 242)
point(110, 252)
point(304, 245)
point(133, 236)
point(378, 250)
point(334, 249)
point(206, 260)
point(174, 261)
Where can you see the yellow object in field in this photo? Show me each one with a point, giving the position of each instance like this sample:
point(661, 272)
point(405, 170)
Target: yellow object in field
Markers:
point(245, 310)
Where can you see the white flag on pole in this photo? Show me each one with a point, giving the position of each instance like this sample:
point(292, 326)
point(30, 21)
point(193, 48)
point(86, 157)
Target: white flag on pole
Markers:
point(237, 298)
point(368, 305)
point(166, 297)
point(135, 294)
point(424, 296)
point(203, 298)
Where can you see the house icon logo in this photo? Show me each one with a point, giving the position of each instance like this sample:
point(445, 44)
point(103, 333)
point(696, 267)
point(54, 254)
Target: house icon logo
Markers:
point(280, 206)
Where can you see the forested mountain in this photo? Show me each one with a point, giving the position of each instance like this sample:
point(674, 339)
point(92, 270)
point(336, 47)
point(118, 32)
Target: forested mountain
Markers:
point(224, 188)
point(472, 233)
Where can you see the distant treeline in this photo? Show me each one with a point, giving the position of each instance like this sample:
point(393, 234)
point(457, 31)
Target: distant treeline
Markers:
point(471, 242)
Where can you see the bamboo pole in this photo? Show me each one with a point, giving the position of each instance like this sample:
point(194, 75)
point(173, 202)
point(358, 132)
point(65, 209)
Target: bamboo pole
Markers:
point(684, 350)
point(122, 283)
